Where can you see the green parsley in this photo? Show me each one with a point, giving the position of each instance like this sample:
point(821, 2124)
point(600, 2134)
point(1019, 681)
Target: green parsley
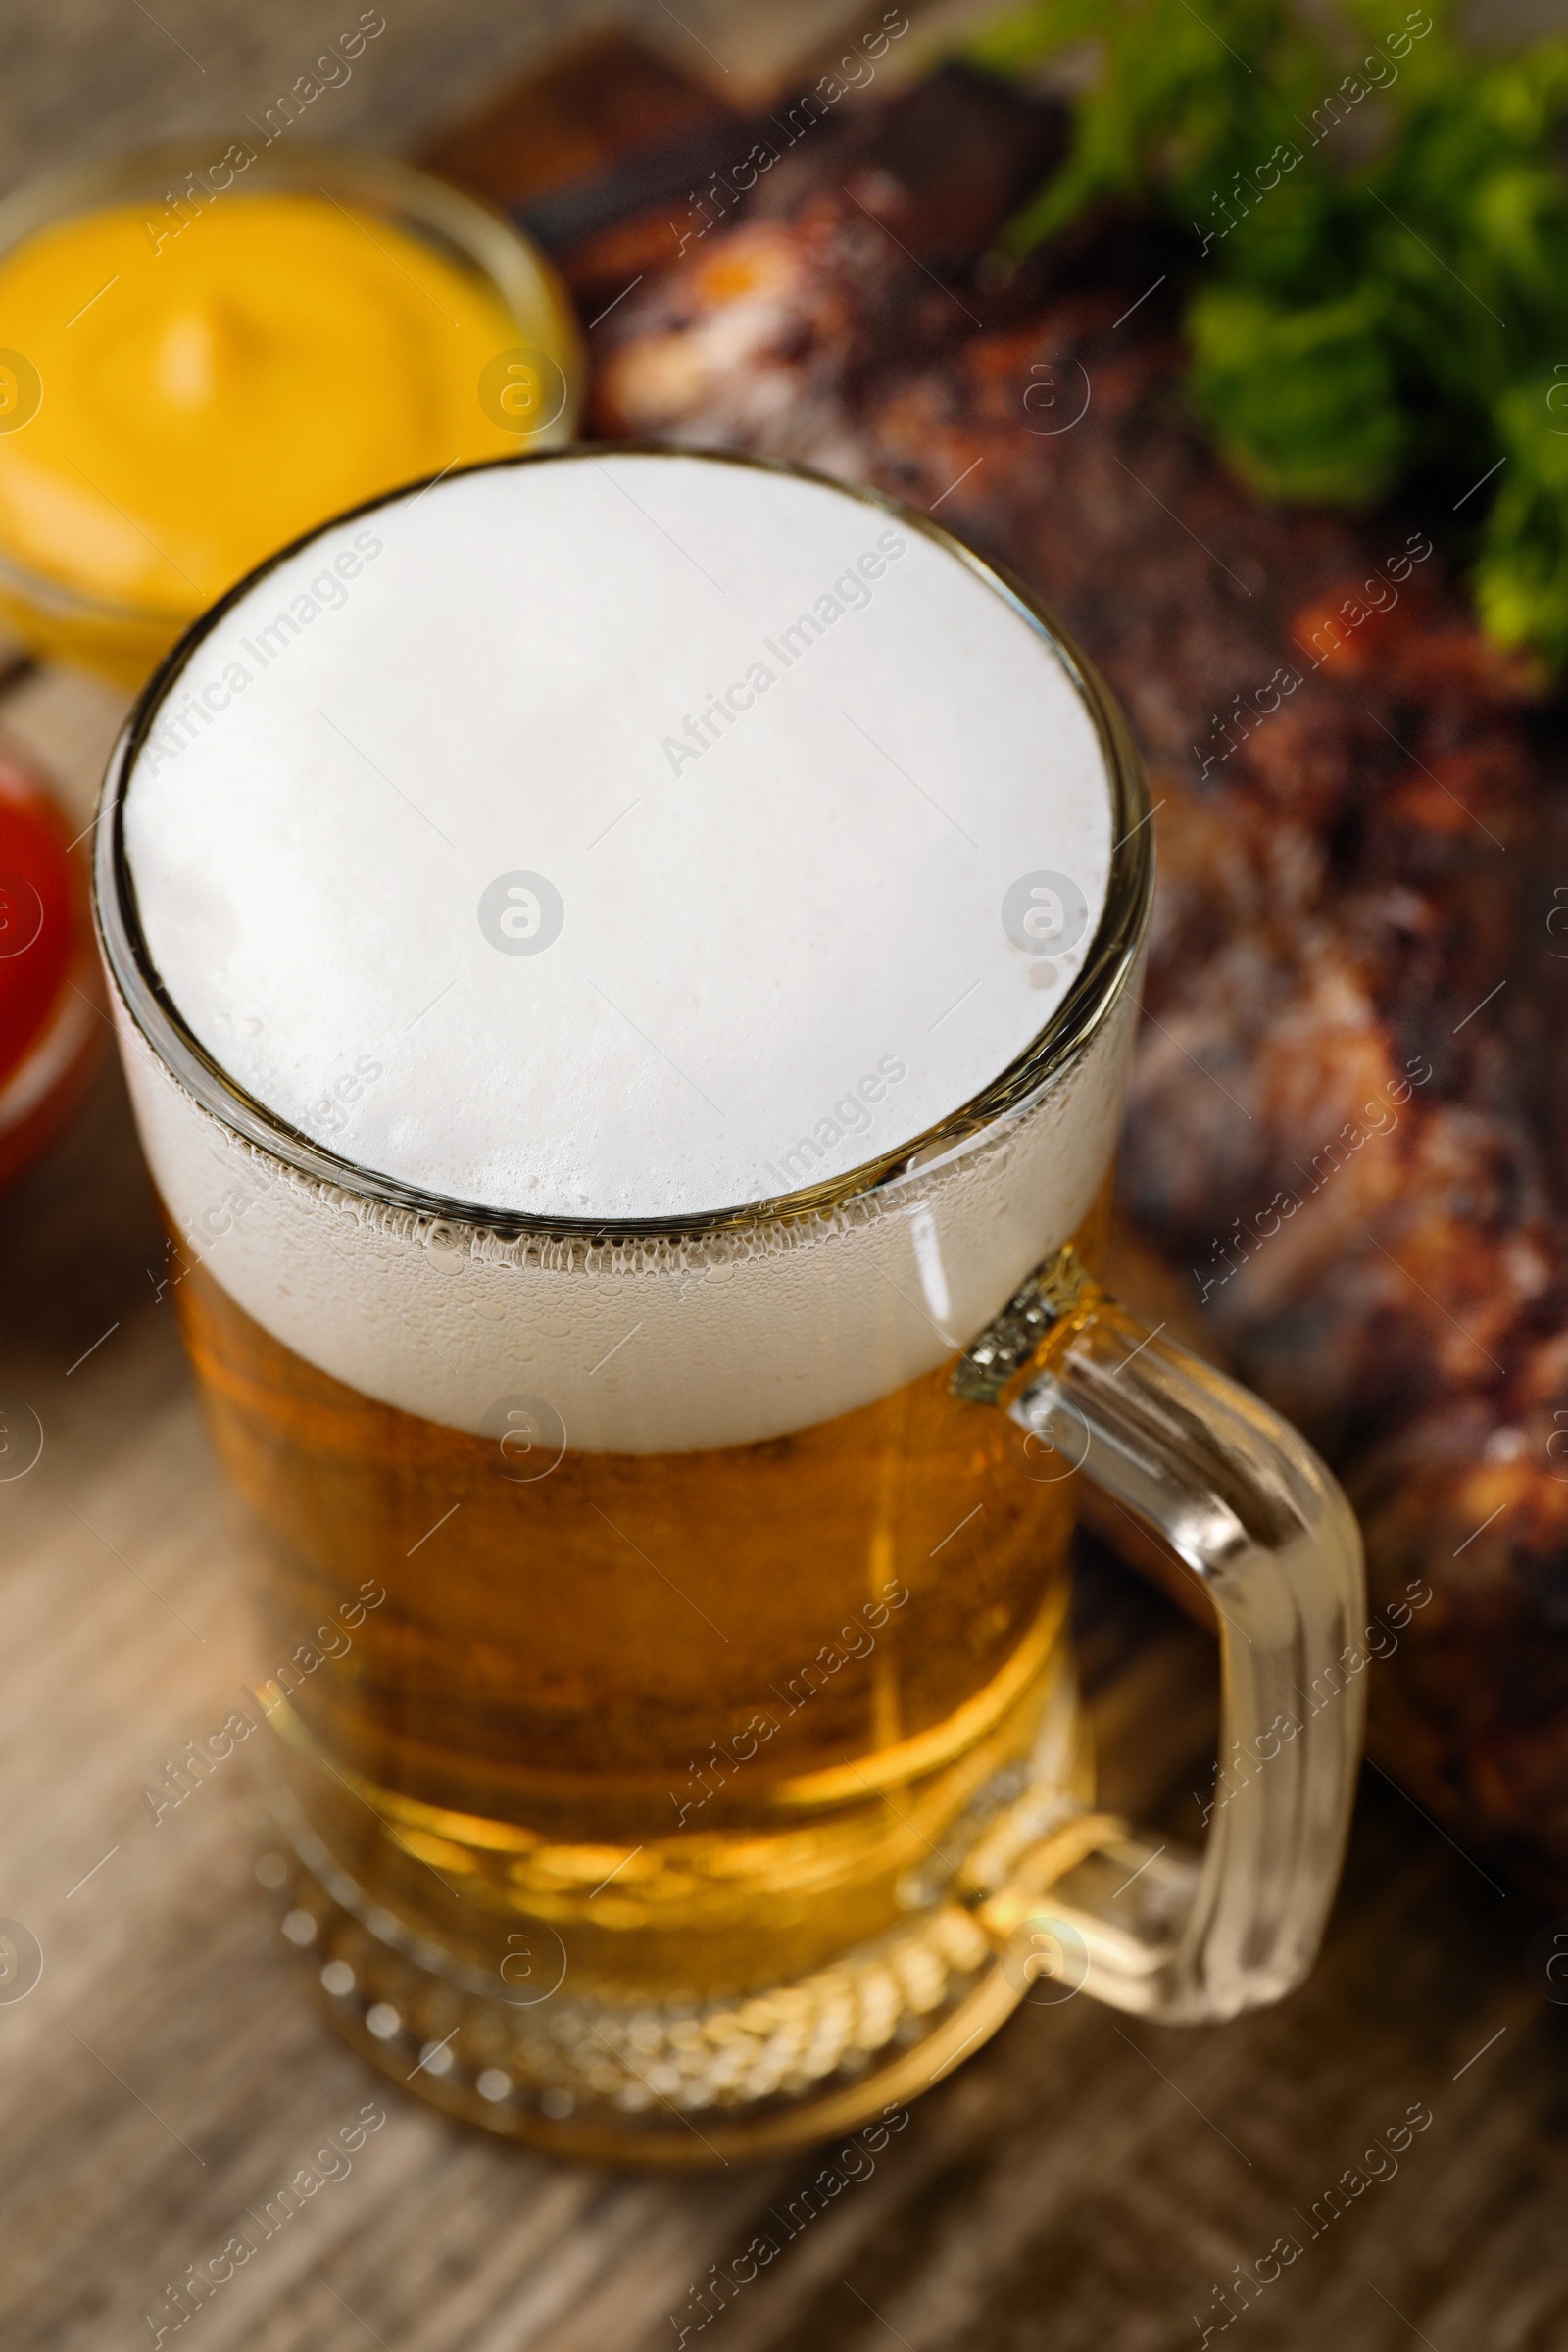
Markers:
point(1379, 289)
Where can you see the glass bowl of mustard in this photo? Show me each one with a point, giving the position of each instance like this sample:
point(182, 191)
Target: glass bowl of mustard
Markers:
point(203, 356)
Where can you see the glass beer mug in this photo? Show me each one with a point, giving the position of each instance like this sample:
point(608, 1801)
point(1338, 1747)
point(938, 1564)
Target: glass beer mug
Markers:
point(627, 1007)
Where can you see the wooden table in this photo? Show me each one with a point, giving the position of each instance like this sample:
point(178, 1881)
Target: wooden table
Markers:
point(1083, 2181)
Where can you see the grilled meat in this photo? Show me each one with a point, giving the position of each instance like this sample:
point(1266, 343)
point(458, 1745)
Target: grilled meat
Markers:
point(1332, 1129)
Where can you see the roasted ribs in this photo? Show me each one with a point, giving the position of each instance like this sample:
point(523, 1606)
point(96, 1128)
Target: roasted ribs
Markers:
point(1341, 1124)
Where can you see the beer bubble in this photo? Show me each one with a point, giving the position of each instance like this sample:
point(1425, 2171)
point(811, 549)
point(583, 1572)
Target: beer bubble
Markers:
point(529, 1437)
point(521, 914)
point(1045, 1960)
point(20, 391)
point(20, 1960)
point(1045, 914)
point(21, 1439)
point(522, 390)
point(20, 915)
point(446, 1245)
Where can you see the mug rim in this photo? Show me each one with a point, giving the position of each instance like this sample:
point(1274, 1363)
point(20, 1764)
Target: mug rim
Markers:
point(1107, 970)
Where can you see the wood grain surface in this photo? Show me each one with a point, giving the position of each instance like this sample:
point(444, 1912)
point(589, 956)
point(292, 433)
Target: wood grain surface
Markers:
point(1084, 2181)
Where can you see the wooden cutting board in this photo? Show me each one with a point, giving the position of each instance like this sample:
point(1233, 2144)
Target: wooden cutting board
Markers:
point(1084, 2181)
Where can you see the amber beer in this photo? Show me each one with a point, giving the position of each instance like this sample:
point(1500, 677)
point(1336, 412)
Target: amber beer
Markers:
point(708, 1716)
point(665, 1661)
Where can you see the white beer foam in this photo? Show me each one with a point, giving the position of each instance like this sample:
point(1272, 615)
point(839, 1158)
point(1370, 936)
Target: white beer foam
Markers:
point(431, 861)
point(640, 1347)
point(760, 929)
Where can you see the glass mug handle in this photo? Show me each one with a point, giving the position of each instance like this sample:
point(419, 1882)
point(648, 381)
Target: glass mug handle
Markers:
point(1139, 1922)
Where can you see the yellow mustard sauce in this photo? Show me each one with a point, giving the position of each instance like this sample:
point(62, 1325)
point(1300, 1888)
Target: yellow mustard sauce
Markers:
point(202, 398)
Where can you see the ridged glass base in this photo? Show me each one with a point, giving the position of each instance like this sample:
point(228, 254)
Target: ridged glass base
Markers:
point(595, 2068)
point(684, 2084)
